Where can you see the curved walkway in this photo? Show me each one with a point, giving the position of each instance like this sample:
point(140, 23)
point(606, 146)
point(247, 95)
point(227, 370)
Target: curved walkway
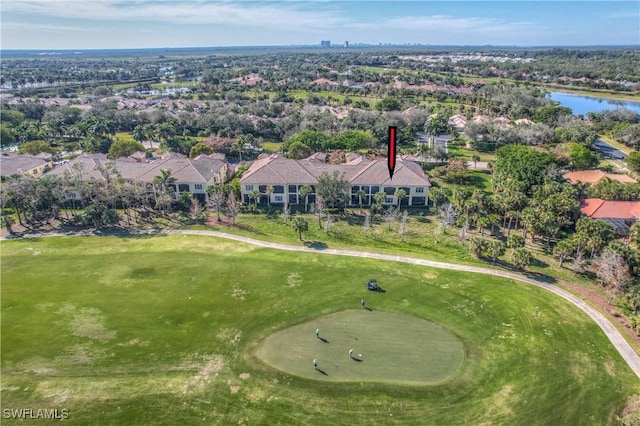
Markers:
point(625, 350)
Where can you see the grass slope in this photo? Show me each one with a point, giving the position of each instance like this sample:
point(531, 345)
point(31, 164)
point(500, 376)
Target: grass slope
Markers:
point(162, 330)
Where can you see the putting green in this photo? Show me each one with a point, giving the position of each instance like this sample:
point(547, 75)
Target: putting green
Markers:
point(388, 348)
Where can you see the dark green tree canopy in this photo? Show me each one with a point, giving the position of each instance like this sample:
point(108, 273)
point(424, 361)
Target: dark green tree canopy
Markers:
point(332, 188)
point(522, 164)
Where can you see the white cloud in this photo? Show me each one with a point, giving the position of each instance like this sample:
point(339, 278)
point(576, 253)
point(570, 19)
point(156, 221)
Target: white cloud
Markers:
point(450, 24)
point(23, 27)
point(261, 15)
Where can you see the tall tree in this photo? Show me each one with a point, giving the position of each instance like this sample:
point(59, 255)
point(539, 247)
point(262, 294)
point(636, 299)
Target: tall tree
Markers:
point(332, 188)
point(217, 198)
point(612, 271)
point(305, 191)
point(232, 207)
point(564, 249)
point(400, 195)
point(300, 225)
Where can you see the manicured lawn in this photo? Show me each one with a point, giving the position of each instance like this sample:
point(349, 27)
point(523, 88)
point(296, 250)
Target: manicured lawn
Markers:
point(387, 348)
point(622, 147)
point(271, 146)
point(165, 330)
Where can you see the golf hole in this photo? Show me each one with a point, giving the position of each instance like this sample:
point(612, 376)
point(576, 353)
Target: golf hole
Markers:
point(387, 348)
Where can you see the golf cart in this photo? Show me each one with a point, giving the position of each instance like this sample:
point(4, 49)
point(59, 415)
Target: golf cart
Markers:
point(372, 285)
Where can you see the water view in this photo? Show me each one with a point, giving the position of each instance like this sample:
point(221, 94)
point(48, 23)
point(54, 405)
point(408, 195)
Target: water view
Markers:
point(584, 104)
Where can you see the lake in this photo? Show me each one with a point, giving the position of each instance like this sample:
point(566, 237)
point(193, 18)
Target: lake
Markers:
point(584, 104)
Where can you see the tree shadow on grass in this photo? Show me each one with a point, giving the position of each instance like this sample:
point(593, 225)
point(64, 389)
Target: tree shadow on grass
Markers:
point(138, 235)
point(317, 245)
point(529, 274)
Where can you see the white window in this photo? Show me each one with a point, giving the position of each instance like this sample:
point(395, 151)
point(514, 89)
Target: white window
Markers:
point(278, 198)
point(249, 187)
point(419, 190)
point(197, 186)
point(388, 200)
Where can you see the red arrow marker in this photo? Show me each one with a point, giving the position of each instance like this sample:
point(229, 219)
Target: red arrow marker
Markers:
point(391, 151)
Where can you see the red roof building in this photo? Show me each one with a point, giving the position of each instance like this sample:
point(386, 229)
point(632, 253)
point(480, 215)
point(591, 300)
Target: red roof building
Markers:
point(595, 176)
point(620, 214)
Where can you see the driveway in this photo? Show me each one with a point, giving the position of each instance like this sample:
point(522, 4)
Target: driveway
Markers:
point(441, 140)
point(625, 350)
point(609, 151)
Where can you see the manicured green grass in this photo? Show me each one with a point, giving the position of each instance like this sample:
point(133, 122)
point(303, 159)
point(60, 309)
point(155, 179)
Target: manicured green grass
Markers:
point(611, 141)
point(462, 153)
point(125, 136)
point(271, 146)
point(164, 330)
point(387, 348)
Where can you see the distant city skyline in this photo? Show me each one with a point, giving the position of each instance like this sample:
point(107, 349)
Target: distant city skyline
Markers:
point(113, 24)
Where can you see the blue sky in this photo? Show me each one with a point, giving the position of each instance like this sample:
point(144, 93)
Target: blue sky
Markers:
point(99, 24)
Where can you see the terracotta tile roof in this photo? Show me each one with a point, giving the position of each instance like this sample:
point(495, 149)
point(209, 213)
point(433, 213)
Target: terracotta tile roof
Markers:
point(594, 176)
point(601, 209)
point(590, 205)
point(276, 169)
point(198, 170)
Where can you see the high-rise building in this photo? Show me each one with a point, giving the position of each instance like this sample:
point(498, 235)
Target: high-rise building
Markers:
point(325, 43)
point(346, 43)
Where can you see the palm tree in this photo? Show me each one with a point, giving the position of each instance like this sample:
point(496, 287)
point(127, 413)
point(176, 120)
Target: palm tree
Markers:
point(164, 179)
point(422, 150)
point(150, 133)
point(400, 195)
point(436, 125)
point(477, 245)
point(300, 225)
point(255, 196)
point(361, 194)
point(495, 249)
point(305, 191)
point(564, 249)
point(378, 199)
point(164, 131)
point(475, 158)
point(521, 257)
point(139, 133)
point(268, 193)
point(239, 146)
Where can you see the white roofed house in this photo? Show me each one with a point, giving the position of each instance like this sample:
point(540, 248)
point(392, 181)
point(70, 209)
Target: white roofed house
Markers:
point(278, 179)
point(458, 122)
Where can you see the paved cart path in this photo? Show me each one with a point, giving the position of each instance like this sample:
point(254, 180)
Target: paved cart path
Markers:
point(625, 350)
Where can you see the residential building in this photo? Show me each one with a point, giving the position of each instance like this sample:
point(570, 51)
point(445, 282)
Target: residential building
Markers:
point(620, 214)
point(24, 164)
point(278, 179)
point(594, 176)
point(458, 122)
point(192, 175)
